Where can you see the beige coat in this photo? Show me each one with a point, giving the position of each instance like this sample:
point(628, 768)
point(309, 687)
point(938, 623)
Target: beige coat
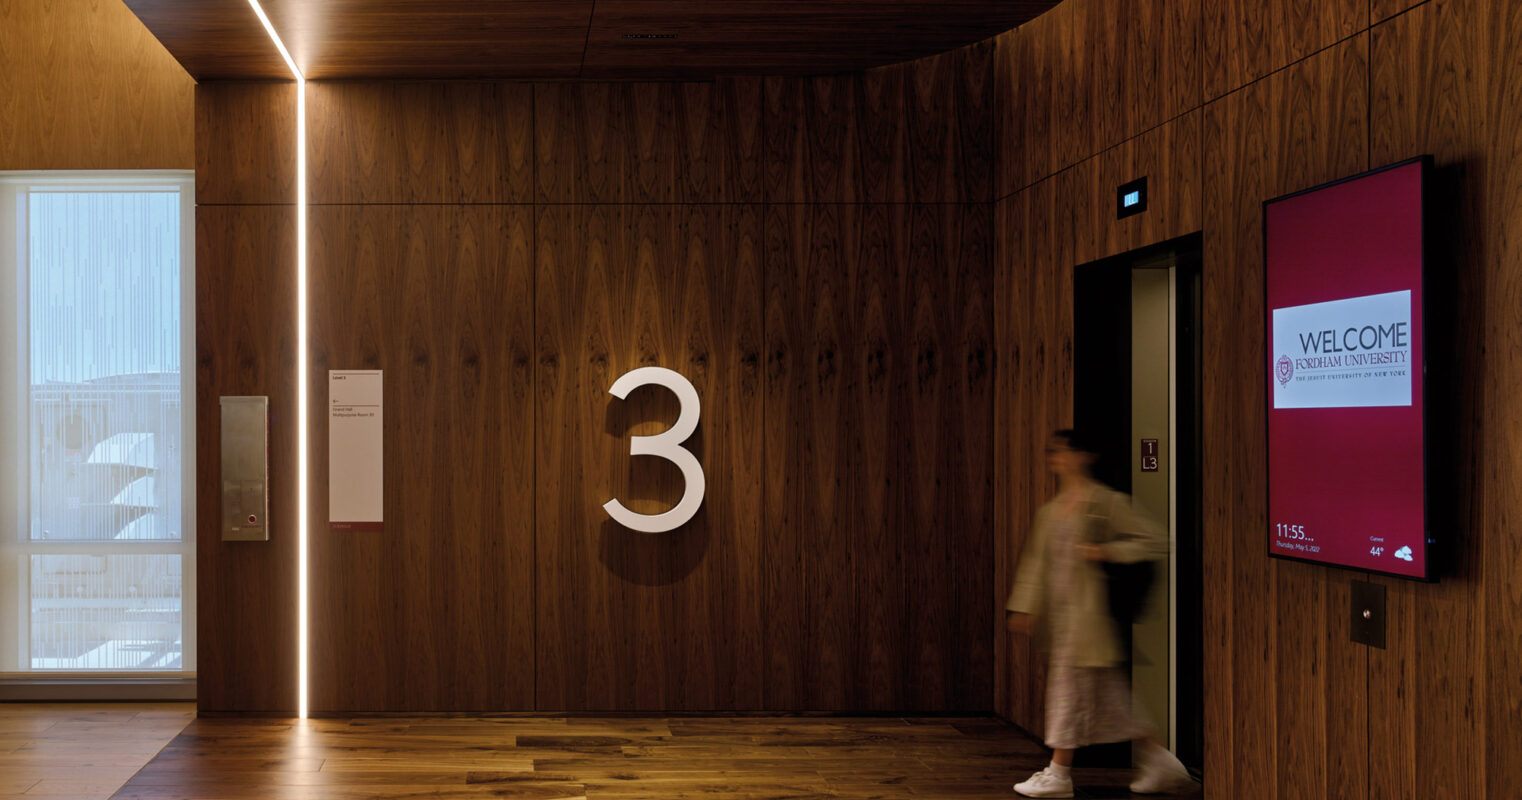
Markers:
point(1131, 538)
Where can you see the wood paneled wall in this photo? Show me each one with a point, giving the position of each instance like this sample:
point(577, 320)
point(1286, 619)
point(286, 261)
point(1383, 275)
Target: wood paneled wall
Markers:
point(878, 387)
point(246, 608)
point(816, 252)
point(246, 345)
point(83, 85)
point(505, 251)
point(648, 142)
point(1266, 99)
point(630, 620)
point(1084, 76)
point(1426, 95)
point(1496, 539)
point(432, 613)
point(1297, 128)
point(915, 132)
point(246, 144)
point(420, 143)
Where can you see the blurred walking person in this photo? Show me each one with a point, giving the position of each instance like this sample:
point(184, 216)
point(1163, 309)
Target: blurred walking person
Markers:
point(1063, 595)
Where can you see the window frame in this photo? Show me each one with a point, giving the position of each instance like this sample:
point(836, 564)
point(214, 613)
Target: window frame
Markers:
point(16, 545)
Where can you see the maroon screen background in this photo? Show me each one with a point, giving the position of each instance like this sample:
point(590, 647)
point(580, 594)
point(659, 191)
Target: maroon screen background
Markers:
point(1347, 474)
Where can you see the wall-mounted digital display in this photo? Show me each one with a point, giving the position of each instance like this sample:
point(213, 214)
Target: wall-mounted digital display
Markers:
point(1343, 268)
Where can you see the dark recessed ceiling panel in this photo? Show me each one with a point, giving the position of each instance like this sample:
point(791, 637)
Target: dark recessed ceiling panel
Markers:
point(632, 38)
point(606, 39)
point(433, 38)
point(213, 38)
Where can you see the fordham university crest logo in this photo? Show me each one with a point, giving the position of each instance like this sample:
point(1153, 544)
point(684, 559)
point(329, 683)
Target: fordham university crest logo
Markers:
point(1285, 369)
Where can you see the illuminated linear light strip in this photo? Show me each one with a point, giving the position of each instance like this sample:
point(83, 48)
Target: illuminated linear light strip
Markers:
point(301, 361)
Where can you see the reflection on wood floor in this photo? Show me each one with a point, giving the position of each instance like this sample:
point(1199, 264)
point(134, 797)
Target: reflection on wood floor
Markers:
point(79, 751)
point(715, 758)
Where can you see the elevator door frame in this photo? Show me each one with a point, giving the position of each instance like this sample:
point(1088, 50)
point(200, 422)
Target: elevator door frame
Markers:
point(1101, 360)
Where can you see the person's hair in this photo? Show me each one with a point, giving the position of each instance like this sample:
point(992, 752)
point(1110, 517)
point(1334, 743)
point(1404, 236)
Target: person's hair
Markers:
point(1077, 441)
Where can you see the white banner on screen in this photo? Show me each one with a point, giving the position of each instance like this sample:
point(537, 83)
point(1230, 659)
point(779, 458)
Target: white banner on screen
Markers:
point(1352, 353)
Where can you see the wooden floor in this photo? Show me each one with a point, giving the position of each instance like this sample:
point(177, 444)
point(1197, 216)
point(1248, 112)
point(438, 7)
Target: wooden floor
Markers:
point(82, 752)
point(715, 758)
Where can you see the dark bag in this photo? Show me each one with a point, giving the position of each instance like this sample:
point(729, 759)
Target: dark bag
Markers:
point(1127, 586)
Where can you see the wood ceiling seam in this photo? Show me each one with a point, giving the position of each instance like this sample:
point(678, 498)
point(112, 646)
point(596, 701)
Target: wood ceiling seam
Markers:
point(585, 43)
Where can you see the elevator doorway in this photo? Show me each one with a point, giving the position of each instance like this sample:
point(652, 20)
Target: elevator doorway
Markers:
point(1136, 354)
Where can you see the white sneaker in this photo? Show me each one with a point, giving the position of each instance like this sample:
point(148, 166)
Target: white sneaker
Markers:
point(1161, 772)
point(1046, 784)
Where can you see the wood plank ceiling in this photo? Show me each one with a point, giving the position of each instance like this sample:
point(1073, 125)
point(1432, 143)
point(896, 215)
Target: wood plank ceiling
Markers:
point(597, 39)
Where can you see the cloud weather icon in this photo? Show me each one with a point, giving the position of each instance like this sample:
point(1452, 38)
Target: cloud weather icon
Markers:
point(1404, 554)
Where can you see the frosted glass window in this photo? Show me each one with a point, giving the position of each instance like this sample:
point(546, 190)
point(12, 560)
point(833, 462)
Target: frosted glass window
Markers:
point(106, 612)
point(104, 289)
point(101, 552)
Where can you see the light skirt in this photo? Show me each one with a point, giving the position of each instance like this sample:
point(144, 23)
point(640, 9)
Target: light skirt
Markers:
point(1089, 705)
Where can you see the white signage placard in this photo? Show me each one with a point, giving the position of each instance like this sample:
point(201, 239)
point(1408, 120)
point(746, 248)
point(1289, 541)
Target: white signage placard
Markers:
point(356, 467)
point(1352, 353)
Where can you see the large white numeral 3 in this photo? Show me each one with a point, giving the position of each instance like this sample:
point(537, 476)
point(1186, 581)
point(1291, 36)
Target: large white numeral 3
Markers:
point(667, 445)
